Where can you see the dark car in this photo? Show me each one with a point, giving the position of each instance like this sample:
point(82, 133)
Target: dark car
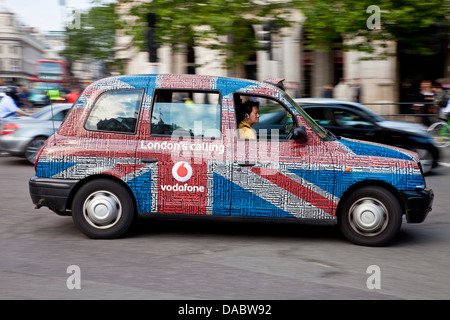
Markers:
point(352, 120)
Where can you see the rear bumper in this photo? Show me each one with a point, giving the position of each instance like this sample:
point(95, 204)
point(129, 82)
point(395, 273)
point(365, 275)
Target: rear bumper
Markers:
point(51, 193)
point(418, 204)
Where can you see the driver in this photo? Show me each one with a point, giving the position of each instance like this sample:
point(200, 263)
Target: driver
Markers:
point(249, 117)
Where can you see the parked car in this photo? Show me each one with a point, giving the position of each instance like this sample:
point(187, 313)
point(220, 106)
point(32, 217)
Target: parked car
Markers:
point(24, 136)
point(136, 147)
point(352, 120)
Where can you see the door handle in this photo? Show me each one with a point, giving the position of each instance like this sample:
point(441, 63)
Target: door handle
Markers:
point(246, 164)
point(149, 160)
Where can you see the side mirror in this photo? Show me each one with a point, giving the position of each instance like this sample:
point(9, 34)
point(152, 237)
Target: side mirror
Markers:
point(300, 134)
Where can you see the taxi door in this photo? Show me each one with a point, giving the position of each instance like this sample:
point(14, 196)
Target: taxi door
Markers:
point(277, 176)
point(176, 151)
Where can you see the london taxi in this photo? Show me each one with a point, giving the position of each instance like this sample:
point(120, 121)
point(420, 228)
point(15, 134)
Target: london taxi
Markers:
point(151, 145)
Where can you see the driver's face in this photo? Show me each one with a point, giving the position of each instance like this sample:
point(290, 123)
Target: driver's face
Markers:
point(253, 116)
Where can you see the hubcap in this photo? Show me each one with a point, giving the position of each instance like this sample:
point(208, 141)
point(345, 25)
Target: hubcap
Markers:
point(368, 216)
point(102, 209)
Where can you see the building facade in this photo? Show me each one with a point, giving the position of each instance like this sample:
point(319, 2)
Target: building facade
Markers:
point(20, 48)
point(306, 72)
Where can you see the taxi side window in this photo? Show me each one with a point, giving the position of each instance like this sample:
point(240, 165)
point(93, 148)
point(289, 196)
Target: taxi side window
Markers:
point(196, 114)
point(273, 117)
point(115, 111)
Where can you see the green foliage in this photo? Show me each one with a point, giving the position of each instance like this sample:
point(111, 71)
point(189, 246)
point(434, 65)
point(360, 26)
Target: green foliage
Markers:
point(224, 25)
point(405, 21)
point(96, 36)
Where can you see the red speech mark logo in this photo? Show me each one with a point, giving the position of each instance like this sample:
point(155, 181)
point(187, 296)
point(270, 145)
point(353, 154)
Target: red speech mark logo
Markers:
point(182, 171)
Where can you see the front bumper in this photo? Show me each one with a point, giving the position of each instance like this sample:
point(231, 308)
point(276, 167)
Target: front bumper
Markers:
point(51, 193)
point(418, 204)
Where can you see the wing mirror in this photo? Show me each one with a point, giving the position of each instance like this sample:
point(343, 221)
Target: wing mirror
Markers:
point(300, 134)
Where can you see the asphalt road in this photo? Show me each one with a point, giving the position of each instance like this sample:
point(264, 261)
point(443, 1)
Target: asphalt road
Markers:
point(43, 256)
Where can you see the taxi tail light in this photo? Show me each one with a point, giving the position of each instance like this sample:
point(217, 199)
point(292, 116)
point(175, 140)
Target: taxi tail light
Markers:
point(37, 159)
point(9, 128)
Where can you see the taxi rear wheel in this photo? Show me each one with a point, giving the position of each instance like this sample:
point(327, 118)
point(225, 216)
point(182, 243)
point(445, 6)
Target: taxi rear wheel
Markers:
point(103, 209)
point(370, 216)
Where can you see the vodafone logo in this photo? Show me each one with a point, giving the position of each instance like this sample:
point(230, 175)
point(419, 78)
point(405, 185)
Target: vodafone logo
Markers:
point(182, 171)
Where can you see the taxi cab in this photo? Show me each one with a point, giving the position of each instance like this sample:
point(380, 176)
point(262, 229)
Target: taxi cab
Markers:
point(169, 145)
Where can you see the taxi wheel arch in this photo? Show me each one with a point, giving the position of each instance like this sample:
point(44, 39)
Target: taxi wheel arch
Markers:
point(370, 215)
point(103, 208)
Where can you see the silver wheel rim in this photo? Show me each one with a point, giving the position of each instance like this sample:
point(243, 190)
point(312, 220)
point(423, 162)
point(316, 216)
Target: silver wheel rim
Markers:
point(368, 216)
point(102, 209)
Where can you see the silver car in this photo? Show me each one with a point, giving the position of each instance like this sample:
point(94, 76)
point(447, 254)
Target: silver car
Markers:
point(24, 136)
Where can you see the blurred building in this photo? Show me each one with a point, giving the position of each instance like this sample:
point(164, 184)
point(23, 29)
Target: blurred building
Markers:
point(54, 43)
point(19, 48)
point(306, 72)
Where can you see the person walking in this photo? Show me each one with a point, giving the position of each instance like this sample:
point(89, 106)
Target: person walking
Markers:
point(9, 104)
point(342, 91)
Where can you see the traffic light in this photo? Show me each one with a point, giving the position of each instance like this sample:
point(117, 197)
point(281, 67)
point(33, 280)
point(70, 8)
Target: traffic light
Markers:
point(265, 37)
point(152, 45)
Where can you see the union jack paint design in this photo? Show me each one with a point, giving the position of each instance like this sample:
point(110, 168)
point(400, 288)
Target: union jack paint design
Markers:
point(224, 176)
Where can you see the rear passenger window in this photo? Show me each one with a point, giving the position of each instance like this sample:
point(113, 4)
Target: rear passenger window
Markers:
point(115, 111)
point(186, 113)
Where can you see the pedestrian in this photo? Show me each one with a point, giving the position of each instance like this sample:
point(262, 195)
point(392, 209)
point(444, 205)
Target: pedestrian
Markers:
point(328, 91)
point(54, 96)
point(73, 95)
point(425, 102)
point(9, 104)
point(342, 91)
point(444, 101)
point(356, 90)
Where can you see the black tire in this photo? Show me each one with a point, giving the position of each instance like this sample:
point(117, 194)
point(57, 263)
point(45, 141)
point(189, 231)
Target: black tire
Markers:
point(103, 209)
point(32, 149)
point(371, 216)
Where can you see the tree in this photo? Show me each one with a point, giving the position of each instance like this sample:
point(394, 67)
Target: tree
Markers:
point(95, 37)
point(404, 21)
point(223, 25)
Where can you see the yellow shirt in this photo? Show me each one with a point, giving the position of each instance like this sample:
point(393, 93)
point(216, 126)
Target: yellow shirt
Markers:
point(245, 131)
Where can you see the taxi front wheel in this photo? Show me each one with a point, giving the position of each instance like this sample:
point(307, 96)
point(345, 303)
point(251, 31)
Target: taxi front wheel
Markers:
point(102, 209)
point(371, 216)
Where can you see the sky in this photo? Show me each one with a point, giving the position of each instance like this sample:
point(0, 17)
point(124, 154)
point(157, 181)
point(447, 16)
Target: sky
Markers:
point(45, 15)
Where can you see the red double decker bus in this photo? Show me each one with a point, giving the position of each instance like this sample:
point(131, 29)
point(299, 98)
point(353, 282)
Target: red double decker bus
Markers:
point(49, 75)
point(51, 71)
